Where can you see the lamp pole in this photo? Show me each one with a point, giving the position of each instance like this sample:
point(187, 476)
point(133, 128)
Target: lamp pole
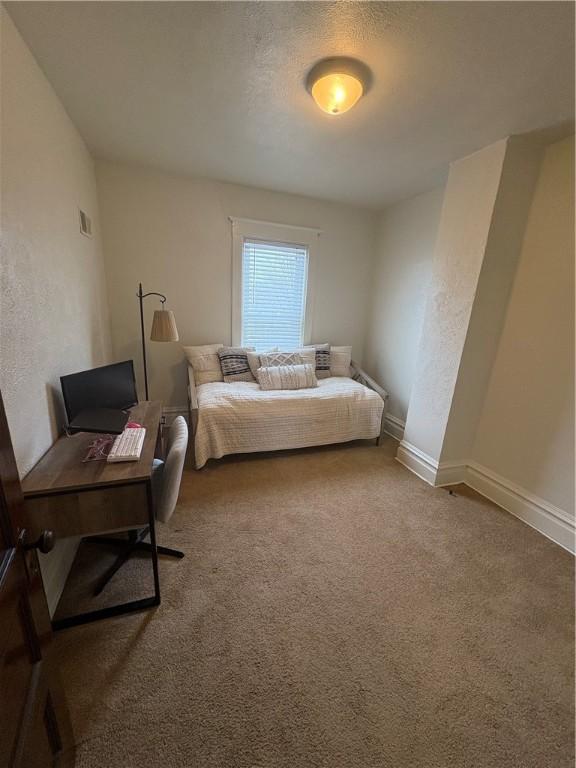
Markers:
point(141, 296)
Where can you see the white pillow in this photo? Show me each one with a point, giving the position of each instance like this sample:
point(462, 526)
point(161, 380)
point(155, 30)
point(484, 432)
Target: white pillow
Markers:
point(205, 363)
point(308, 355)
point(340, 360)
point(254, 359)
point(275, 357)
point(287, 377)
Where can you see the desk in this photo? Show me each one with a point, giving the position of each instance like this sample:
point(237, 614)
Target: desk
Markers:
point(75, 498)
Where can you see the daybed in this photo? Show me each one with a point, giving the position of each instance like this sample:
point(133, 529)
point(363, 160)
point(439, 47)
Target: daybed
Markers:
point(242, 418)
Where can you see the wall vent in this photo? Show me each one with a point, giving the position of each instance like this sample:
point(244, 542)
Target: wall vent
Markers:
point(85, 224)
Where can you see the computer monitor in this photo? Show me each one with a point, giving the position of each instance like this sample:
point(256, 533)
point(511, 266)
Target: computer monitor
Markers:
point(108, 387)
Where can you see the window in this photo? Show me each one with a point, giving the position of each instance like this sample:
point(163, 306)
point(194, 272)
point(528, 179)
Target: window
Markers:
point(272, 285)
point(274, 277)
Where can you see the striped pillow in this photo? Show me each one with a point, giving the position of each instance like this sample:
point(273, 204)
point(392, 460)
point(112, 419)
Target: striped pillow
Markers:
point(322, 352)
point(234, 363)
point(287, 377)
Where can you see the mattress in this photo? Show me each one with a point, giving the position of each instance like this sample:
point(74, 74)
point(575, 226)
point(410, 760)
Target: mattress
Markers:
point(242, 418)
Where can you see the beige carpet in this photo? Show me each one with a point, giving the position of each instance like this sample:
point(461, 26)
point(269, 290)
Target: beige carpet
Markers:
point(332, 611)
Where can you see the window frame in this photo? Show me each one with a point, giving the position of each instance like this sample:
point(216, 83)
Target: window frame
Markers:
point(252, 229)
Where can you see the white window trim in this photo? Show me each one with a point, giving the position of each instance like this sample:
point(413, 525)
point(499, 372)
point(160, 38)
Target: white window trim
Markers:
point(245, 229)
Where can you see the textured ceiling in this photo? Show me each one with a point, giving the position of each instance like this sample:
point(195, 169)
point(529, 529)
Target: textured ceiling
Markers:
point(217, 89)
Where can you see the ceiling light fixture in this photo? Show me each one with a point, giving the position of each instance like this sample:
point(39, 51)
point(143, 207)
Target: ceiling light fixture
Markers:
point(337, 83)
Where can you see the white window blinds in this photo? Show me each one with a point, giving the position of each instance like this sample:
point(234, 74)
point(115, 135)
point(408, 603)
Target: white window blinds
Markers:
point(274, 277)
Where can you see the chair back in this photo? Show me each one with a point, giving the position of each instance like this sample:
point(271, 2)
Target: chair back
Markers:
point(173, 467)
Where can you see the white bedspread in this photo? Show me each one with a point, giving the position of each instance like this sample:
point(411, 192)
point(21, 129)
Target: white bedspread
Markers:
point(242, 418)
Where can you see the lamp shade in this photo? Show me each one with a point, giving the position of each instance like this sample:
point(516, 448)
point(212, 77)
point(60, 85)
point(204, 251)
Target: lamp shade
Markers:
point(336, 92)
point(337, 83)
point(164, 326)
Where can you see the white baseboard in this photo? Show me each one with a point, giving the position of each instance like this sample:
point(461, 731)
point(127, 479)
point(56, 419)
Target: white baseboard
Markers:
point(394, 426)
point(551, 521)
point(450, 473)
point(540, 514)
point(427, 468)
point(417, 461)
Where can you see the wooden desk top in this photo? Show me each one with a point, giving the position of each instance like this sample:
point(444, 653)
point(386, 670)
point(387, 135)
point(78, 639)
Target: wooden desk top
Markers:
point(62, 469)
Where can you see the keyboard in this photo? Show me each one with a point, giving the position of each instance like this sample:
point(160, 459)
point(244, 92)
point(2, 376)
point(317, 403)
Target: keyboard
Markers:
point(128, 445)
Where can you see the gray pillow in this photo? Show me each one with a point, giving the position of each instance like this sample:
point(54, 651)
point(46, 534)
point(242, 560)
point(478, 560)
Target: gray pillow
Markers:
point(234, 363)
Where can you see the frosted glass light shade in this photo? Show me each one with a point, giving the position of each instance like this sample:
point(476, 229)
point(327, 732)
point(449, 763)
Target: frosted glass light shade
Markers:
point(337, 92)
point(164, 326)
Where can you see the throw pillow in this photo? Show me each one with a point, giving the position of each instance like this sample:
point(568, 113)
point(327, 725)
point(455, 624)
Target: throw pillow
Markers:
point(205, 363)
point(322, 352)
point(276, 357)
point(308, 356)
point(287, 377)
point(273, 359)
point(340, 359)
point(234, 362)
point(254, 359)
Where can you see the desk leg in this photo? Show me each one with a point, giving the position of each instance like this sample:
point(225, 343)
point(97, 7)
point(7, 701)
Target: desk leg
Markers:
point(105, 613)
point(152, 524)
point(134, 605)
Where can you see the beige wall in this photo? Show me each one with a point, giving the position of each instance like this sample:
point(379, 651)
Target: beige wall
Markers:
point(526, 430)
point(467, 209)
point(505, 236)
point(53, 308)
point(172, 233)
point(405, 248)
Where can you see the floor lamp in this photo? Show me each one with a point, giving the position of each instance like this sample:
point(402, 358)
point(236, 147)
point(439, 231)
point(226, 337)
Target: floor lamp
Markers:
point(163, 326)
